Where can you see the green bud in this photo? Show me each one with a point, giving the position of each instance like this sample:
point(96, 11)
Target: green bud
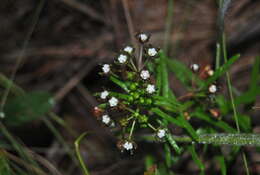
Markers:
point(136, 114)
point(142, 119)
point(148, 101)
point(136, 95)
point(130, 75)
point(132, 86)
point(130, 98)
point(143, 125)
point(141, 100)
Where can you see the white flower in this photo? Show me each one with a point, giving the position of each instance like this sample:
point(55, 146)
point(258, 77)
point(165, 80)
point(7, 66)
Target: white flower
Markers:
point(143, 37)
point(122, 58)
point(210, 72)
point(106, 68)
point(195, 67)
point(161, 133)
point(104, 95)
point(145, 74)
point(150, 88)
point(128, 145)
point(213, 88)
point(113, 102)
point(2, 115)
point(106, 119)
point(128, 49)
point(152, 52)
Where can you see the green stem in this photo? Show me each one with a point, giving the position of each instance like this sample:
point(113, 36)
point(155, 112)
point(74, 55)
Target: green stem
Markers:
point(168, 26)
point(132, 129)
point(81, 161)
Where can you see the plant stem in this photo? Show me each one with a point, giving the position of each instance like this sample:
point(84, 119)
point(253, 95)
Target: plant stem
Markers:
point(132, 129)
point(81, 161)
point(140, 56)
point(168, 26)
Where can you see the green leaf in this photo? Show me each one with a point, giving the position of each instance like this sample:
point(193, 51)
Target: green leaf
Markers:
point(164, 75)
point(196, 158)
point(222, 163)
point(173, 143)
point(166, 116)
point(28, 107)
point(4, 166)
point(245, 122)
point(188, 127)
point(183, 73)
point(221, 70)
point(223, 104)
point(179, 121)
point(218, 123)
point(168, 155)
point(119, 83)
point(250, 95)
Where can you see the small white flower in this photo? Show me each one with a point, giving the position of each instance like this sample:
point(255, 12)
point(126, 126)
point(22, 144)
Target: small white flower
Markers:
point(106, 68)
point(161, 133)
point(128, 49)
point(195, 67)
point(210, 72)
point(213, 88)
point(143, 37)
point(145, 74)
point(2, 115)
point(128, 145)
point(122, 58)
point(150, 88)
point(106, 119)
point(152, 52)
point(113, 102)
point(104, 95)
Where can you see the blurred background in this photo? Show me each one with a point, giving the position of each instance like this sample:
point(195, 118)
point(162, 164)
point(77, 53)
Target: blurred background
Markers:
point(58, 45)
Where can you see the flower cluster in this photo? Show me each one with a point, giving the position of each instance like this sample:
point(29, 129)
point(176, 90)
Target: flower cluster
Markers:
point(137, 96)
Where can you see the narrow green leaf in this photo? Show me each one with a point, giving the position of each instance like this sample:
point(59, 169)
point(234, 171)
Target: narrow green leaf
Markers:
point(196, 158)
point(183, 73)
point(245, 122)
point(4, 166)
point(218, 123)
point(188, 127)
point(230, 139)
point(164, 75)
point(168, 155)
point(173, 143)
point(28, 107)
point(222, 163)
point(221, 70)
point(119, 83)
point(167, 117)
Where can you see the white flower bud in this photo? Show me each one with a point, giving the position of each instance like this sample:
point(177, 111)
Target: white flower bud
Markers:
point(106, 68)
point(150, 88)
point(122, 58)
point(213, 88)
point(195, 67)
point(113, 102)
point(145, 74)
point(106, 119)
point(152, 52)
point(161, 133)
point(128, 145)
point(129, 49)
point(104, 95)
